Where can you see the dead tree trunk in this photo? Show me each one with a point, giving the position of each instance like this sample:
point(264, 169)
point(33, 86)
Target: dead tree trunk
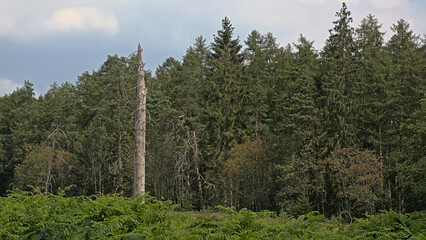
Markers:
point(49, 170)
point(140, 128)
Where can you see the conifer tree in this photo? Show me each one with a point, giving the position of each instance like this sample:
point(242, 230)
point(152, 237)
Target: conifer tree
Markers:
point(337, 110)
point(337, 84)
point(406, 89)
point(414, 166)
point(256, 85)
point(371, 85)
point(20, 129)
point(299, 164)
point(107, 107)
point(222, 97)
point(194, 71)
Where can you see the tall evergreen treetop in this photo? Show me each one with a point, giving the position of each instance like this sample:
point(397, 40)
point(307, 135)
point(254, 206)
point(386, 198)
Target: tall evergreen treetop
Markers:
point(337, 82)
point(254, 43)
point(200, 46)
point(369, 36)
point(340, 42)
point(403, 38)
point(408, 64)
point(370, 94)
point(196, 56)
point(224, 46)
point(339, 47)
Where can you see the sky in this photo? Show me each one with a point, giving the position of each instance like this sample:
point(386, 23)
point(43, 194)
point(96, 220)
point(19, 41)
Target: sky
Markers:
point(47, 41)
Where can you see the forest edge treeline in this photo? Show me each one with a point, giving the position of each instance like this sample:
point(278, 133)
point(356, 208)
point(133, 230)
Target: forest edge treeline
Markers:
point(340, 130)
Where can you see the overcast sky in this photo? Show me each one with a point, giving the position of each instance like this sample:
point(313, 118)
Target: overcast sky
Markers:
point(46, 41)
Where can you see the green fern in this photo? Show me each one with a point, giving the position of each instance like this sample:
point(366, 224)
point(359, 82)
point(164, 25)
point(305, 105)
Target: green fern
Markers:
point(33, 215)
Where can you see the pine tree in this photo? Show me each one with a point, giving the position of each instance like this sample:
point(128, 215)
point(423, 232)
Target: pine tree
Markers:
point(256, 85)
point(406, 77)
point(337, 84)
point(371, 87)
point(222, 102)
point(20, 129)
point(107, 106)
point(160, 147)
point(299, 163)
point(174, 157)
point(284, 73)
point(337, 110)
point(406, 89)
point(194, 72)
point(414, 167)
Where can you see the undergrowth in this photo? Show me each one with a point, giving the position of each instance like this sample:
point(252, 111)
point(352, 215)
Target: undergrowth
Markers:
point(33, 215)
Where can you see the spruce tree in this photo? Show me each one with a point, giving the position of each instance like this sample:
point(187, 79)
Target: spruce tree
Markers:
point(222, 102)
point(256, 85)
point(299, 165)
point(370, 91)
point(337, 84)
point(337, 110)
point(406, 89)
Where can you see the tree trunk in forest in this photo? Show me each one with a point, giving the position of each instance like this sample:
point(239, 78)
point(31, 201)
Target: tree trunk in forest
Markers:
point(120, 134)
point(140, 128)
point(120, 164)
point(196, 157)
point(49, 170)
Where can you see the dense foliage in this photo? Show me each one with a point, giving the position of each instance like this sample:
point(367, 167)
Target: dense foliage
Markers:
point(340, 131)
point(25, 215)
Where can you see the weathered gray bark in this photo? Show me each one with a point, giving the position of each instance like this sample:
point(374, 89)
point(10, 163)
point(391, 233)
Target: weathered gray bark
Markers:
point(140, 129)
point(49, 170)
point(197, 167)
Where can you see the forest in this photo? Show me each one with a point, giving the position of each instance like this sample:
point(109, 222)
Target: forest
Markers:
point(243, 124)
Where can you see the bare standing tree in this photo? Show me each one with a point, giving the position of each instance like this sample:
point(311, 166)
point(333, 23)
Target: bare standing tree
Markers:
point(140, 128)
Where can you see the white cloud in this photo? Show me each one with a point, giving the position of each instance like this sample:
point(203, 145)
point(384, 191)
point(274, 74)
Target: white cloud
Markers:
point(7, 22)
point(314, 1)
point(350, 1)
point(7, 86)
point(82, 18)
point(28, 22)
point(6, 25)
point(386, 3)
